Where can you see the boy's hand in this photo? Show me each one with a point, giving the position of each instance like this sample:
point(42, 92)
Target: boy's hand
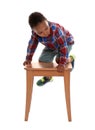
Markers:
point(27, 62)
point(60, 68)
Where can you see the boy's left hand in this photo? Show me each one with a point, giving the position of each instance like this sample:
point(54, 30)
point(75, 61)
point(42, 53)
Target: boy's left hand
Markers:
point(60, 68)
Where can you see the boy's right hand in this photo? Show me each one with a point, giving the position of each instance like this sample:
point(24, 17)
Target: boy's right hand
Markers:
point(27, 62)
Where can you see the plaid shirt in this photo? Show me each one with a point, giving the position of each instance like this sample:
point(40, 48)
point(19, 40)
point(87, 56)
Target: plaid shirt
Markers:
point(59, 39)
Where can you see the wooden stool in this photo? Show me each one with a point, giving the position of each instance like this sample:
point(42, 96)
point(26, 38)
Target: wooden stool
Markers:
point(46, 69)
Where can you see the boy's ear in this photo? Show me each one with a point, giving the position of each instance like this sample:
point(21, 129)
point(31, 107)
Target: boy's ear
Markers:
point(34, 30)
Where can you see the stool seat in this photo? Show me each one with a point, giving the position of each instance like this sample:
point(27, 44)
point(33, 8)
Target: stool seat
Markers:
point(46, 69)
point(45, 66)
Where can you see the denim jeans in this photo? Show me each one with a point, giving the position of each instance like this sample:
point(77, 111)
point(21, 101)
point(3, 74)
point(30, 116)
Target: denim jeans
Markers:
point(48, 55)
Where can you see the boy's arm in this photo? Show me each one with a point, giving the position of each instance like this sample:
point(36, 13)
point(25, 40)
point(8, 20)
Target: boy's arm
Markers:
point(63, 51)
point(69, 37)
point(32, 45)
point(64, 40)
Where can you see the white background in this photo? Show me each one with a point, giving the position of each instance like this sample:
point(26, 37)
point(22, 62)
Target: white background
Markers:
point(48, 109)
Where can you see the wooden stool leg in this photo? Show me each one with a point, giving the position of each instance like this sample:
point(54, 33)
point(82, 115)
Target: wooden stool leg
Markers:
point(29, 89)
point(67, 92)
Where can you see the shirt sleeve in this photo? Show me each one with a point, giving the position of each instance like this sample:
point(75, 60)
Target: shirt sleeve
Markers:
point(63, 51)
point(69, 37)
point(64, 39)
point(32, 45)
point(63, 48)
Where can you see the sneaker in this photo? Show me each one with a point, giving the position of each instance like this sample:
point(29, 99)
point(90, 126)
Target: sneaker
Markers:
point(73, 60)
point(43, 81)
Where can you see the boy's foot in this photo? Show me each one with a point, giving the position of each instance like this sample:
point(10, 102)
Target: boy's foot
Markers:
point(73, 60)
point(43, 81)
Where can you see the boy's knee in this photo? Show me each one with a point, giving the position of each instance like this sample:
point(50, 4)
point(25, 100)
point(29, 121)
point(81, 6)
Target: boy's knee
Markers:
point(41, 61)
point(45, 60)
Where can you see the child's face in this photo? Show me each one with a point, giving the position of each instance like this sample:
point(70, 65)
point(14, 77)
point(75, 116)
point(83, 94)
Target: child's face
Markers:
point(42, 29)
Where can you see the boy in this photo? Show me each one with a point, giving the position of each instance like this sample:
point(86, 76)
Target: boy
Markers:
point(58, 42)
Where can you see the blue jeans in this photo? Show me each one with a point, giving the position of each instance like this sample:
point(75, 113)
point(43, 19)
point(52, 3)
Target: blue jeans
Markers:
point(48, 55)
